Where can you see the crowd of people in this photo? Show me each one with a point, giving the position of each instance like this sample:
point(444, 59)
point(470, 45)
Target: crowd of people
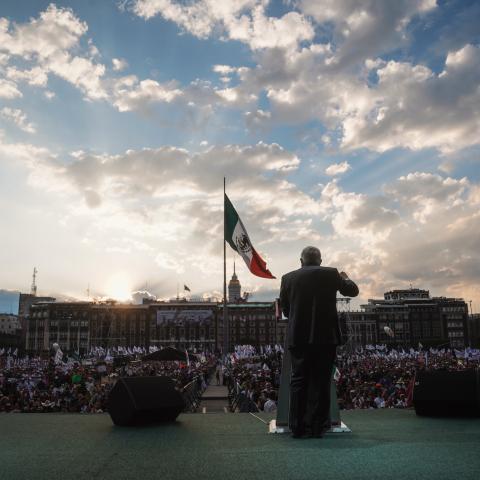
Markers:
point(254, 378)
point(377, 377)
point(371, 377)
point(83, 386)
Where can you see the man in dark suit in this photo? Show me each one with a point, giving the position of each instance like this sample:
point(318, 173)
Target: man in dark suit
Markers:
point(308, 299)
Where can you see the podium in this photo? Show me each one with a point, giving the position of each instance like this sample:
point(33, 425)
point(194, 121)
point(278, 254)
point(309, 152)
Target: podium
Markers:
point(280, 424)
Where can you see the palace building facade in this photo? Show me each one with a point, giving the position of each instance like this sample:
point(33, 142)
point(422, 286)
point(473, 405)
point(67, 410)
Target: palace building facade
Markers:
point(81, 326)
point(412, 315)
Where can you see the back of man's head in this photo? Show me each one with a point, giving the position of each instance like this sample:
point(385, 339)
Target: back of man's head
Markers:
point(310, 256)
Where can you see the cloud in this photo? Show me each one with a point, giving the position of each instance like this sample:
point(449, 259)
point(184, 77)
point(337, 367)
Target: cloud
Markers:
point(242, 20)
point(56, 30)
point(365, 28)
point(9, 89)
point(257, 119)
point(418, 185)
point(301, 87)
point(379, 105)
point(192, 105)
point(368, 219)
point(140, 295)
point(130, 94)
point(153, 171)
point(119, 64)
point(409, 106)
point(30, 155)
point(270, 32)
point(170, 262)
point(442, 254)
point(19, 118)
point(36, 76)
point(81, 72)
point(45, 44)
point(373, 212)
point(92, 198)
point(421, 231)
point(359, 89)
point(174, 194)
point(412, 107)
point(224, 69)
point(165, 204)
point(337, 168)
point(424, 193)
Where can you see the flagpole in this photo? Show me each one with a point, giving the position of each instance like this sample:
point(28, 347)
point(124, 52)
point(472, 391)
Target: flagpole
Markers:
point(225, 316)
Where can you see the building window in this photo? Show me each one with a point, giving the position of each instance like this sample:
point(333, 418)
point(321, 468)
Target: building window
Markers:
point(455, 324)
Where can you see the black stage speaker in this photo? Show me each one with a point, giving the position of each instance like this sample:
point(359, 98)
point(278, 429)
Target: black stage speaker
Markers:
point(442, 393)
point(143, 400)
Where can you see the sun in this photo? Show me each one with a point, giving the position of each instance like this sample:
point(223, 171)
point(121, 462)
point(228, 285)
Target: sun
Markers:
point(119, 287)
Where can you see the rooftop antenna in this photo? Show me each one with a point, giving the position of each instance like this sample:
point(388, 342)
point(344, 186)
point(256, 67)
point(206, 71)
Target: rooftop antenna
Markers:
point(33, 289)
point(88, 292)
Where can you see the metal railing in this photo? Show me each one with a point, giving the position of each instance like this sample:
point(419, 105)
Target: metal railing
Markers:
point(192, 394)
point(238, 399)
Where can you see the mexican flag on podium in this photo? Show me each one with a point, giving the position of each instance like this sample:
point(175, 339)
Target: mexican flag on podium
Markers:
point(237, 237)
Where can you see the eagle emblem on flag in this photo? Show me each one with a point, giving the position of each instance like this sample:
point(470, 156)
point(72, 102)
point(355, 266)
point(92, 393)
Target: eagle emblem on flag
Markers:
point(243, 243)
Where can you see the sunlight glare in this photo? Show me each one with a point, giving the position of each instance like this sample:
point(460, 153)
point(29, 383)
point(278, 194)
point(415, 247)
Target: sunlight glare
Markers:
point(119, 287)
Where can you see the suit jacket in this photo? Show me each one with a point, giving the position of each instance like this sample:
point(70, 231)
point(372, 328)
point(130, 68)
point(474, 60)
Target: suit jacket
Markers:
point(308, 298)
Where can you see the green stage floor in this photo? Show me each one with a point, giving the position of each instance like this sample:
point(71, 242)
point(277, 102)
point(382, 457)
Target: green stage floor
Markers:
point(384, 444)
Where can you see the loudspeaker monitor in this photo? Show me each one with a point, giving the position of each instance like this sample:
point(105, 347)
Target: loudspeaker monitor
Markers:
point(443, 393)
point(143, 400)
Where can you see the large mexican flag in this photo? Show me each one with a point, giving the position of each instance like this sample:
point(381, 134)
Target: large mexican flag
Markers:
point(236, 235)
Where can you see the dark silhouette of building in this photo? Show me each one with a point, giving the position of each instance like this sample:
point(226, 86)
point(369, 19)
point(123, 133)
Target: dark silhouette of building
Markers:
point(414, 317)
point(65, 323)
point(252, 323)
point(10, 331)
point(411, 314)
point(474, 330)
point(80, 326)
point(25, 302)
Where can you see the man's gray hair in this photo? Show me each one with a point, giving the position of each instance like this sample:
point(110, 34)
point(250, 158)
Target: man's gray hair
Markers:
point(311, 256)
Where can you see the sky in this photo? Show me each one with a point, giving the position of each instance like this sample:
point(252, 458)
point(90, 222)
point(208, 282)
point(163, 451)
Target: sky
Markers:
point(351, 125)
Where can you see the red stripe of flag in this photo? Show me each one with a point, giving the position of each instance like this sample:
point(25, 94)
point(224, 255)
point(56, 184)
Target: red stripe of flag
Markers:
point(258, 266)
